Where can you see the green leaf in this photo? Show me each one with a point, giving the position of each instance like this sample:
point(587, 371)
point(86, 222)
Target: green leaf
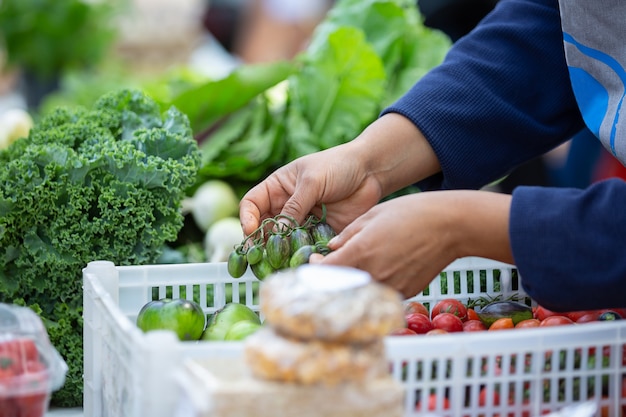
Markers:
point(209, 102)
point(384, 23)
point(300, 139)
point(340, 86)
point(232, 129)
point(254, 146)
point(395, 30)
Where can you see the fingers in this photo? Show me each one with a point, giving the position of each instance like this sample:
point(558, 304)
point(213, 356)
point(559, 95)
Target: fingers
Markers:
point(291, 191)
point(343, 252)
point(249, 216)
point(299, 205)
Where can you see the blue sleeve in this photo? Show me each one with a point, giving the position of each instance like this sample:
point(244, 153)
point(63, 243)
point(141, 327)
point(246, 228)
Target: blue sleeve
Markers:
point(570, 244)
point(501, 97)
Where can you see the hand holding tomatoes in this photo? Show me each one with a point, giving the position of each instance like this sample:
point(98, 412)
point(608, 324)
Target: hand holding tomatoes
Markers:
point(408, 261)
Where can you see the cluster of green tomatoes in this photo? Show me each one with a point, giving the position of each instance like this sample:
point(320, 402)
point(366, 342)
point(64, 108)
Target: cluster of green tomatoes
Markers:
point(280, 243)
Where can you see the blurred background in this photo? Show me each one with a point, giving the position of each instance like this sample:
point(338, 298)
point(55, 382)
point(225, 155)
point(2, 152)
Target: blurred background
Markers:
point(70, 52)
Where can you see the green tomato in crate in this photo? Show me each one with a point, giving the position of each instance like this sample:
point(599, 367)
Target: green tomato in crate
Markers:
point(241, 330)
point(183, 317)
point(223, 319)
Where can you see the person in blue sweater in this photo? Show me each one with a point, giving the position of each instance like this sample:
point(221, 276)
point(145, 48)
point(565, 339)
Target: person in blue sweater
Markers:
point(527, 78)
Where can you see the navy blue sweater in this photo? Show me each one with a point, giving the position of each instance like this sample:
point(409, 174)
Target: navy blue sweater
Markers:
point(501, 97)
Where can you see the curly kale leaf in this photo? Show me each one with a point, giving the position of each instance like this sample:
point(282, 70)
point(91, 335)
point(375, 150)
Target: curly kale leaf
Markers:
point(88, 184)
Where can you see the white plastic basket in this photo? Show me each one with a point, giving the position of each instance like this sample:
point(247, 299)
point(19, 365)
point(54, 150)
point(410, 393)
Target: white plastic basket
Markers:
point(132, 374)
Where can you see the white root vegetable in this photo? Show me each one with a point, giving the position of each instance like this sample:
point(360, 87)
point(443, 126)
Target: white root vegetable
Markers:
point(221, 239)
point(14, 124)
point(212, 201)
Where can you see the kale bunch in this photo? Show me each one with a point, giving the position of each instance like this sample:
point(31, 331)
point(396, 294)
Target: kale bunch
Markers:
point(104, 183)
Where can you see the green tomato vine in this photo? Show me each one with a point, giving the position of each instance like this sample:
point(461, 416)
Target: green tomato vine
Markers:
point(278, 243)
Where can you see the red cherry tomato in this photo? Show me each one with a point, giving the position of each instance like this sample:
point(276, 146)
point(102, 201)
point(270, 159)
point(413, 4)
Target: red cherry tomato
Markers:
point(415, 307)
point(474, 326)
point(472, 314)
point(418, 322)
point(452, 306)
point(484, 394)
point(525, 324)
point(434, 332)
point(448, 322)
point(35, 402)
point(575, 315)
point(555, 321)
point(402, 331)
point(541, 313)
point(433, 402)
point(589, 317)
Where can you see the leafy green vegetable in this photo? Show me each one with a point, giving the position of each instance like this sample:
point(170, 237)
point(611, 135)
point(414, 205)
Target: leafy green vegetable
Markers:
point(363, 56)
point(407, 48)
point(350, 72)
point(104, 183)
point(208, 103)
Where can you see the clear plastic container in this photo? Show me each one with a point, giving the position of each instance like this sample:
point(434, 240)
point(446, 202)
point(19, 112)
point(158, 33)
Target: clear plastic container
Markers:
point(30, 367)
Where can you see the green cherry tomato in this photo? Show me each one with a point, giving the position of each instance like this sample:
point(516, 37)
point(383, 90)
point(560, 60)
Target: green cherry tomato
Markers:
point(322, 233)
point(278, 251)
point(301, 256)
point(262, 269)
point(237, 264)
point(254, 254)
point(298, 238)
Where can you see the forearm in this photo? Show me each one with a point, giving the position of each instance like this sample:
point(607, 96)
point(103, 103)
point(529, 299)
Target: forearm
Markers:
point(482, 218)
point(395, 152)
point(477, 118)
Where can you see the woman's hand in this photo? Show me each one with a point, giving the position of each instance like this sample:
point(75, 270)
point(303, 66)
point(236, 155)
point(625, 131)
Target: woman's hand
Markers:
point(349, 179)
point(408, 241)
point(332, 177)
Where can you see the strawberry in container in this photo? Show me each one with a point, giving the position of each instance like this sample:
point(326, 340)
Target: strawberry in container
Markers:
point(30, 367)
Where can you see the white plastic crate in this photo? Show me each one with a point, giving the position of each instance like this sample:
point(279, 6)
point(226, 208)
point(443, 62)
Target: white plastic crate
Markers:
point(132, 374)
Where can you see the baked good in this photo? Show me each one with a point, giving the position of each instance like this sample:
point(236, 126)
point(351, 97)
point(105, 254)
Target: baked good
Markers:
point(224, 387)
point(330, 303)
point(274, 357)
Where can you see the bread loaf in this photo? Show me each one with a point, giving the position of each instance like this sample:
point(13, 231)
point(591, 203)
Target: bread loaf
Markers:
point(278, 358)
point(330, 303)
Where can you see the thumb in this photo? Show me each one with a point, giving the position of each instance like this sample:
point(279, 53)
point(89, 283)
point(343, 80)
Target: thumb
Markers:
point(340, 254)
point(340, 257)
